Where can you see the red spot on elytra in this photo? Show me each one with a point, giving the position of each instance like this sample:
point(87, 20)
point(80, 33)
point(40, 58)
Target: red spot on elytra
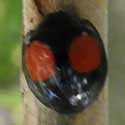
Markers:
point(40, 61)
point(84, 53)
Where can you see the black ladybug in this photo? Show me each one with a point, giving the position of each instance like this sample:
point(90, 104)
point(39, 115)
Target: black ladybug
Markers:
point(64, 62)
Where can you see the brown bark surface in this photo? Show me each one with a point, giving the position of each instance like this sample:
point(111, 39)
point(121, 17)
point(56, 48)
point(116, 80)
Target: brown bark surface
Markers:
point(38, 114)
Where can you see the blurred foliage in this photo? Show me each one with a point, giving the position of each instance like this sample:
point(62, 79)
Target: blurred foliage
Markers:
point(10, 32)
point(10, 102)
point(10, 51)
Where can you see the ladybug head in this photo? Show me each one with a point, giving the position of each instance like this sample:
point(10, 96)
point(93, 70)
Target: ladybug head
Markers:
point(64, 62)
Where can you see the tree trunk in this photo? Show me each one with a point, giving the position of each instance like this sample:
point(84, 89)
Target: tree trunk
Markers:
point(34, 112)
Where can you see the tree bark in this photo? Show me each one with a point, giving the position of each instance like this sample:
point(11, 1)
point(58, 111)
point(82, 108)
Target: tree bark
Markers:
point(36, 113)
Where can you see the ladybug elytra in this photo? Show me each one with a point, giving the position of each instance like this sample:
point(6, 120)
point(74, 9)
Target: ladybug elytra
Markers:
point(64, 62)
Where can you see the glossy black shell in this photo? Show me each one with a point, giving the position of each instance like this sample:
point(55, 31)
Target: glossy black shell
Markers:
point(67, 91)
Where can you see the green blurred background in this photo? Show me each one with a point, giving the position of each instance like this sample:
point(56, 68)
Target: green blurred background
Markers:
point(10, 49)
point(10, 54)
point(117, 62)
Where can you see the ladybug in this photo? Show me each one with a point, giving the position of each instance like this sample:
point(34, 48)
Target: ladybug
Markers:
point(64, 62)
